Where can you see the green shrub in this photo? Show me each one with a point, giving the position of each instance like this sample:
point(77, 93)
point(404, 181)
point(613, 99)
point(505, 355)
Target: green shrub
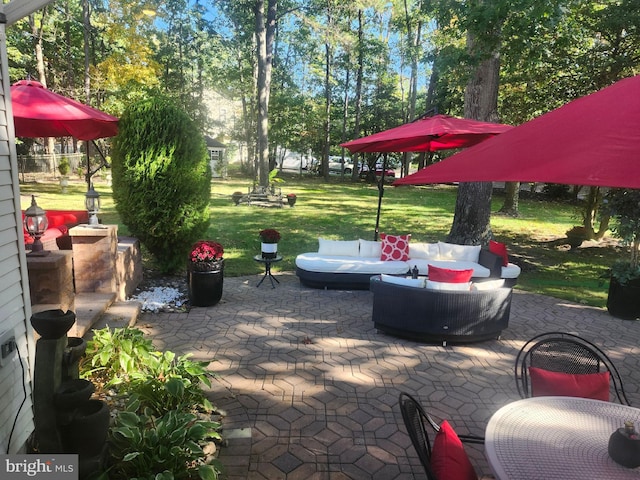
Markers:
point(64, 166)
point(115, 356)
point(161, 179)
point(160, 435)
point(166, 447)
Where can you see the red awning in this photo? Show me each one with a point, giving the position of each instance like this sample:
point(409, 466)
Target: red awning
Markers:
point(428, 134)
point(594, 140)
point(38, 112)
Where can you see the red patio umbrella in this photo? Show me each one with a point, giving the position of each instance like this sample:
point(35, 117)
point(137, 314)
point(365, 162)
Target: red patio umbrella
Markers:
point(39, 112)
point(428, 134)
point(593, 140)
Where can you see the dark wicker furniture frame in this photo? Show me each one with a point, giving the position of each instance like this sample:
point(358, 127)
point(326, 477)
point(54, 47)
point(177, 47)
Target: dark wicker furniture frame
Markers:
point(415, 420)
point(437, 316)
point(567, 353)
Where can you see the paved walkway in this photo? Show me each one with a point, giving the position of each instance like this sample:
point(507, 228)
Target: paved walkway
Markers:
point(309, 388)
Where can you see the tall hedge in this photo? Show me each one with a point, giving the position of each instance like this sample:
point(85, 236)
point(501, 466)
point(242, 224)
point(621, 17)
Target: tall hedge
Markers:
point(161, 179)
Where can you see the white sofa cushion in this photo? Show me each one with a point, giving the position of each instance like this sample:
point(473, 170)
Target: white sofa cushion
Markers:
point(465, 253)
point(459, 287)
point(488, 285)
point(343, 248)
point(369, 248)
point(429, 251)
point(407, 282)
point(316, 262)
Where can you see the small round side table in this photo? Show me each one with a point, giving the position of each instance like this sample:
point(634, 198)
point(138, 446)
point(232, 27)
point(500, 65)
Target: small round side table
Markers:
point(267, 268)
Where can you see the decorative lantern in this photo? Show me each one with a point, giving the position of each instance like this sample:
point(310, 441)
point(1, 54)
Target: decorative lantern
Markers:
point(92, 202)
point(36, 223)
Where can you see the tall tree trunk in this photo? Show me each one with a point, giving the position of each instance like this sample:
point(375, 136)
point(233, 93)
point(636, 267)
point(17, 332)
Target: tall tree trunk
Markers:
point(327, 103)
point(37, 32)
point(413, 42)
point(358, 100)
point(86, 22)
point(511, 199)
point(265, 31)
point(471, 222)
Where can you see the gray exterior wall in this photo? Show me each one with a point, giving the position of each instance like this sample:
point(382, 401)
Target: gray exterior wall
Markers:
point(15, 308)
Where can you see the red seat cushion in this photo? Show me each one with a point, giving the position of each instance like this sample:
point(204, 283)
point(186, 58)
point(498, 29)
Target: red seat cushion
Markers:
point(395, 247)
point(499, 249)
point(449, 461)
point(587, 385)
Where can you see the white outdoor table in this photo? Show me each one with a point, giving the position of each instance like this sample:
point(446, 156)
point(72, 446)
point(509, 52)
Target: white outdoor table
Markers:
point(546, 438)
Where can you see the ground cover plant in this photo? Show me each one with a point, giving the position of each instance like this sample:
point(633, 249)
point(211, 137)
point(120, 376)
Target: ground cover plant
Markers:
point(342, 210)
point(164, 424)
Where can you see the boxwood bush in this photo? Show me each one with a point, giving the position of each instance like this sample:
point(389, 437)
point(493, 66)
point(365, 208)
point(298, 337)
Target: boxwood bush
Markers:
point(161, 179)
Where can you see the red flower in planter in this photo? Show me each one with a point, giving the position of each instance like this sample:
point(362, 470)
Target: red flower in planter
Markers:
point(206, 251)
point(269, 235)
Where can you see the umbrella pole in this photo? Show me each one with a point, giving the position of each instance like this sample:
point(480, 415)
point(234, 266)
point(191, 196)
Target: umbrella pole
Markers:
point(380, 195)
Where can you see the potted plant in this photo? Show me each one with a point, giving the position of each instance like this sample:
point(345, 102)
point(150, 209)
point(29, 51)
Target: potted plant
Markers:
point(205, 273)
point(236, 197)
point(624, 286)
point(291, 199)
point(269, 238)
point(64, 167)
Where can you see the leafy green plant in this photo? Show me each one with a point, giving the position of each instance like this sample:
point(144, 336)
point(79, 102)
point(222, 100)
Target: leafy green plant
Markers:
point(116, 355)
point(64, 166)
point(171, 384)
point(161, 179)
point(624, 208)
point(168, 447)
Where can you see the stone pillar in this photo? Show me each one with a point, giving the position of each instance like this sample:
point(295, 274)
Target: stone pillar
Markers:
point(95, 249)
point(51, 280)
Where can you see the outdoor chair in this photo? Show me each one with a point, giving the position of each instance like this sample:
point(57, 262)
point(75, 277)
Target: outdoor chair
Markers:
point(557, 363)
point(446, 458)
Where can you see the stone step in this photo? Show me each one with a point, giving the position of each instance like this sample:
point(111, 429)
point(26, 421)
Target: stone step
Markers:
point(89, 308)
point(119, 315)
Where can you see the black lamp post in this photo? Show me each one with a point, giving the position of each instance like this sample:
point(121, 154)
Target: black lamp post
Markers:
point(92, 202)
point(36, 223)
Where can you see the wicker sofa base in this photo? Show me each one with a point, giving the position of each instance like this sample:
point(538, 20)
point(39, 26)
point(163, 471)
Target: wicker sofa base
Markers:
point(335, 281)
point(435, 316)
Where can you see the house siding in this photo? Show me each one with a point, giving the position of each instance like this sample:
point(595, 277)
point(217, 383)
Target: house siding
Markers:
point(15, 309)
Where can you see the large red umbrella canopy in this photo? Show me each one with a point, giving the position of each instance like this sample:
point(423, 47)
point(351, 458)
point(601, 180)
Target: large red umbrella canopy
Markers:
point(594, 140)
point(428, 134)
point(38, 112)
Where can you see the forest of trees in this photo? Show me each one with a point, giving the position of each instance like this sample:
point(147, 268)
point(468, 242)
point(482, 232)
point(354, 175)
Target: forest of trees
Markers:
point(312, 74)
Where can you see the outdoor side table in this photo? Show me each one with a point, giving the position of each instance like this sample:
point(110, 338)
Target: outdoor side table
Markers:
point(556, 437)
point(267, 268)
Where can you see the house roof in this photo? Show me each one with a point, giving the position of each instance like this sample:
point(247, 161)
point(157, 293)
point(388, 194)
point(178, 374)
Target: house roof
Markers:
point(213, 143)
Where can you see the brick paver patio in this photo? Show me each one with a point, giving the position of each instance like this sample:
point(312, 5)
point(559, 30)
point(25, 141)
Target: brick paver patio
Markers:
point(309, 388)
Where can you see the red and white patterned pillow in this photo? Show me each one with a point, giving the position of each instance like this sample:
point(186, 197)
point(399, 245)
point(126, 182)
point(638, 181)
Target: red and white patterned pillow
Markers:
point(395, 247)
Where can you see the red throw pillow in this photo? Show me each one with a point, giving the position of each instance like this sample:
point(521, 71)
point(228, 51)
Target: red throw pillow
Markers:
point(447, 275)
point(395, 247)
point(448, 458)
point(586, 385)
point(499, 249)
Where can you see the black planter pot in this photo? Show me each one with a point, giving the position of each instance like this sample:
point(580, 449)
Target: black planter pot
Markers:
point(205, 288)
point(623, 300)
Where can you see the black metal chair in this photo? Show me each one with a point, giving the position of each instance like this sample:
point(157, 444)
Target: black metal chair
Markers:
point(566, 353)
point(416, 420)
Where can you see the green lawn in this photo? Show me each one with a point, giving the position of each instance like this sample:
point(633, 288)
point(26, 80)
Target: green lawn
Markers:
point(342, 210)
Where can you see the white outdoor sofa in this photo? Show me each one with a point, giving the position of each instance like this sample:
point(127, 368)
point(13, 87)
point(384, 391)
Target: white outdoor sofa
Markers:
point(340, 264)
